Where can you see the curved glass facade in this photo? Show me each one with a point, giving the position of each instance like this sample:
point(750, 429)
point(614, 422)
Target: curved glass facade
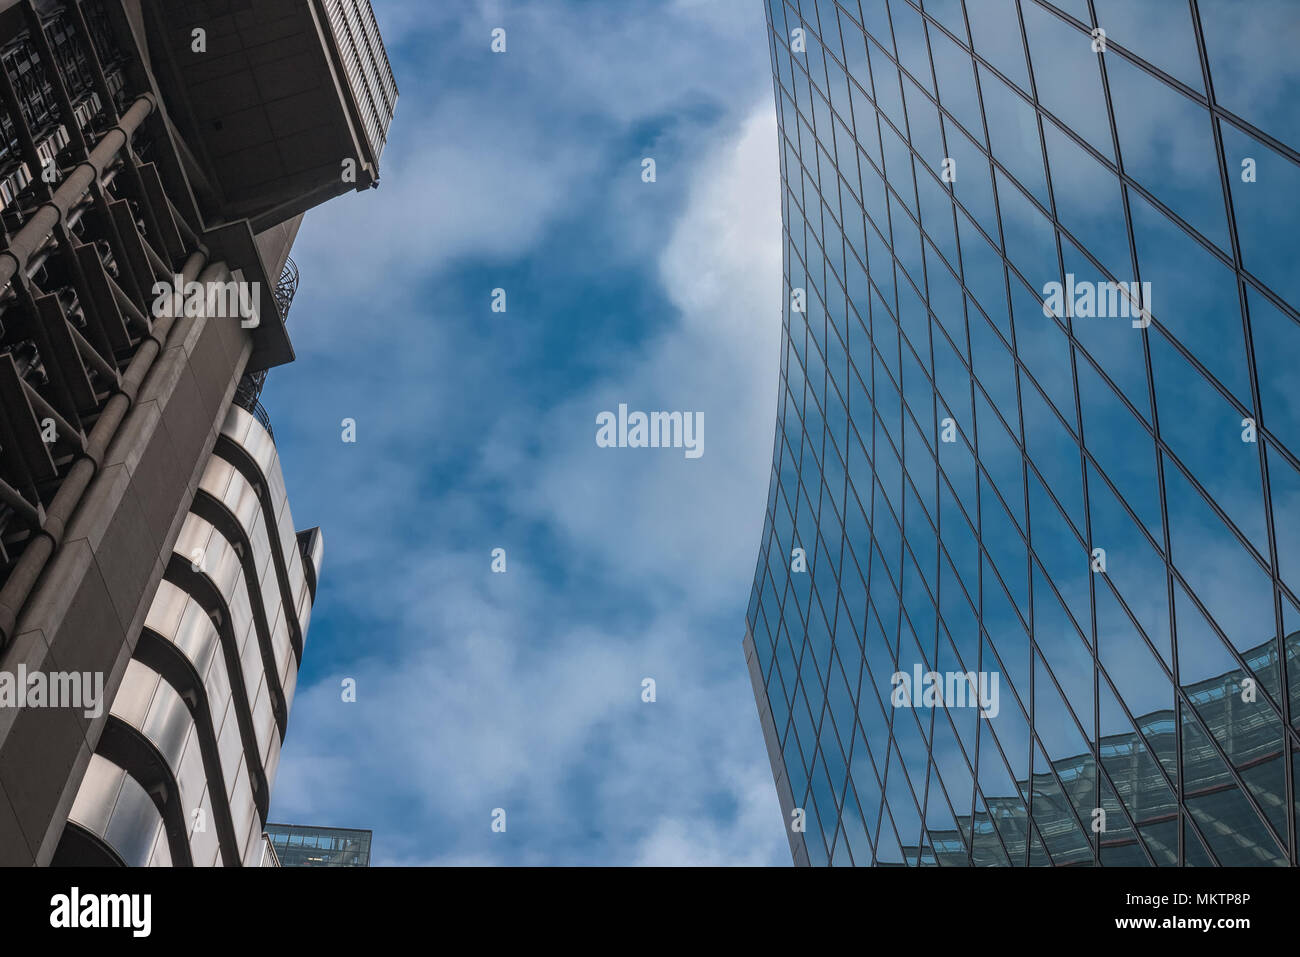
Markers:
point(1029, 587)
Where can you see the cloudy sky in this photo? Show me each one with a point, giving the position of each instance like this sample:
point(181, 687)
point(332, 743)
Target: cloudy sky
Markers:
point(476, 430)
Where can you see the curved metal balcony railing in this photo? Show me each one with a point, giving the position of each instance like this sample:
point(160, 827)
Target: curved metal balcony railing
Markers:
point(247, 395)
point(249, 392)
point(286, 288)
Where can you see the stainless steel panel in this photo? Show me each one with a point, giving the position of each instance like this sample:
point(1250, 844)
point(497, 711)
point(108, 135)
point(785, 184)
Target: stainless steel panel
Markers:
point(165, 612)
point(135, 695)
point(111, 805)
point(93, 805)
point(197, 638)
point(168, 724)
point(216, 477)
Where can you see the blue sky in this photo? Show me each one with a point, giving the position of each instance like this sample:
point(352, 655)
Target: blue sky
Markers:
point(476, 430)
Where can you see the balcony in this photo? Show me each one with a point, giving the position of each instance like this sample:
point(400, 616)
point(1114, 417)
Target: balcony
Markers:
point(249, 391)
point(282, 92)
point(286, 288)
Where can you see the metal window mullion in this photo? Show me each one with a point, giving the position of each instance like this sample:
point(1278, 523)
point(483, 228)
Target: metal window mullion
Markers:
point(1160, 474)
point(1257, 401)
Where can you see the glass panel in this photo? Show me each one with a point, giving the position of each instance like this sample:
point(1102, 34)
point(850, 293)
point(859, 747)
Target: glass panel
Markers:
point(889, 98)
point(1231, 584)
point(957, 92)
point(1063, 556)
point(1156, 30)
point(1276, 338)
point(973, 181)
point(1088, 202)
point(1013, 132)
point(1137, 778)
point(1193, 295)
point(1042, 346)
point(1168, 146)
point(1120, 846)
point(1234, 830)
point(1068, 77)
point(1205, 432)
point(1253, 62)
point(995, 28)
point(1053, 451)
point(1133, 567)
point(1028, 234)
point(1266, 202)
point(1055, 817)
point(1112, 342)
point(950, 14)
point(909, 39)
point(1284, 487)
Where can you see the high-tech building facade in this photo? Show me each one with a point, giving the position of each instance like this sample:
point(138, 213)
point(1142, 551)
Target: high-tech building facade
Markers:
point(1029, 585)
point(306, 845)
point(211, 682)
point(146, 543)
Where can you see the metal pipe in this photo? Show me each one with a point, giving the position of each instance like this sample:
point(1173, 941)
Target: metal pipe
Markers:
point(66, 429)
point(37, 554)
point(37, 229)
point(25, 509)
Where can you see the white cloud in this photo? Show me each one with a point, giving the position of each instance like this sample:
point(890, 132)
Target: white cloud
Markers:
point(478, 169)
point(695, 523)
point(696, 841)
point(476, 690)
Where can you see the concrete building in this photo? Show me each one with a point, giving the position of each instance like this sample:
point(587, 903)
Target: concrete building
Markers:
point(145, 537)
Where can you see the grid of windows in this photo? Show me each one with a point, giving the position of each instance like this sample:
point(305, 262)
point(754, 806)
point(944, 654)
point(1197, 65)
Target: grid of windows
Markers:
point(1094, 503)
point(304, 845)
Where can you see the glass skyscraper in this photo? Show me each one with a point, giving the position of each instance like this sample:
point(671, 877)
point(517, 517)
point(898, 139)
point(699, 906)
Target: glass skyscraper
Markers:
point(1029, 584)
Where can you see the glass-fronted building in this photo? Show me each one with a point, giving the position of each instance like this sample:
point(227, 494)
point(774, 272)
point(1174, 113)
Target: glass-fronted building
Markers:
point(304, 845)
point(1029, 585)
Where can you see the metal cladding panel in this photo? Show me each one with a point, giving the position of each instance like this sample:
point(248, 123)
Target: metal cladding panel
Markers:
point(252, 617)
point(365, 60)
point(112, 807)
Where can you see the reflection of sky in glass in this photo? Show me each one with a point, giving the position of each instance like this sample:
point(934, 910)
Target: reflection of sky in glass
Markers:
point(1071, 433)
